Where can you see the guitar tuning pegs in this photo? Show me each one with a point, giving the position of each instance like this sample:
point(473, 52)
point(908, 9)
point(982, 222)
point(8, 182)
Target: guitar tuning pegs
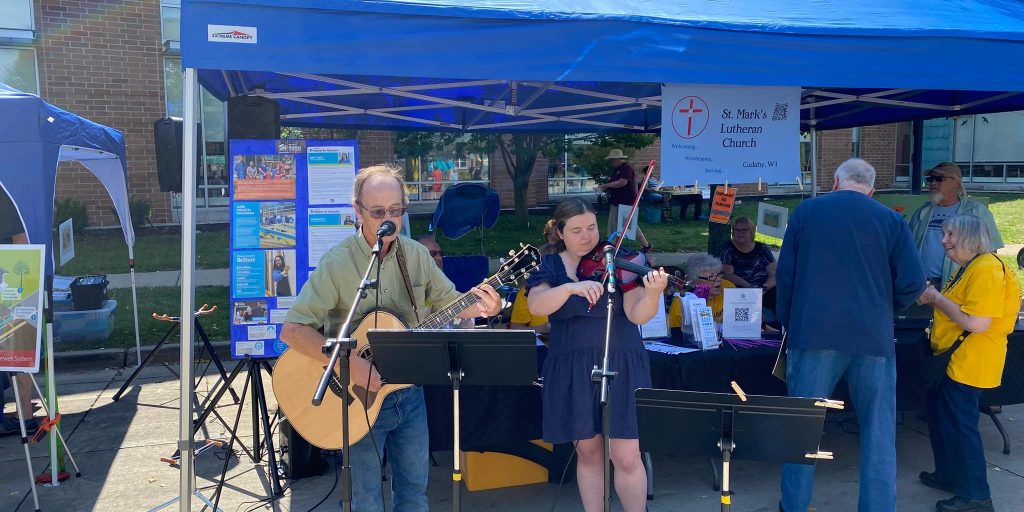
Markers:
point(511, 252)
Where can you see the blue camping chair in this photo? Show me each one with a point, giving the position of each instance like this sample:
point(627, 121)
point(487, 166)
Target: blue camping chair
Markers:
point(464, 207)
point(466, 272)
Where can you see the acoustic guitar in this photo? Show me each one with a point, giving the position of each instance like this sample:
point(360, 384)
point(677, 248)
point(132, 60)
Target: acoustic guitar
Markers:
point(297, 376)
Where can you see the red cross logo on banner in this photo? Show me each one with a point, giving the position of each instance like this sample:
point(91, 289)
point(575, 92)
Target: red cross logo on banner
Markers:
point(690, 117)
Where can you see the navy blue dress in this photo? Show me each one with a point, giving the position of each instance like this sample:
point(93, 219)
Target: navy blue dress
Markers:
point(575, 346)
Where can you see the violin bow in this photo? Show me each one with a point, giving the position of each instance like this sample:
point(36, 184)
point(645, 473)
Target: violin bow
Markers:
point(636, 203)
point(632, 213)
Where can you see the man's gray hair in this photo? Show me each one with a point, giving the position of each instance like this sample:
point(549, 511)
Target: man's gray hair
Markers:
point(971, 233)
point(426, 237)
point(701, 262)
point(856, 171)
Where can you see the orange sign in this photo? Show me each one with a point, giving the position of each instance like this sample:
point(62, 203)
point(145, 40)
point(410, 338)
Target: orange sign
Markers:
point(722, 204)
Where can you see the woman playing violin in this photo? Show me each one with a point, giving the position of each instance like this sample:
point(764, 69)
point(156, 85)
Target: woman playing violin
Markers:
point(577, 310)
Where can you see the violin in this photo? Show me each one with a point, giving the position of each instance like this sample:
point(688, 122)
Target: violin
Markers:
point(630, 267)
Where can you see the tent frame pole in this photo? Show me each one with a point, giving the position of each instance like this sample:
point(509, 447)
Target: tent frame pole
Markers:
point(188, 186)
point(135, 305)
point(814, 157)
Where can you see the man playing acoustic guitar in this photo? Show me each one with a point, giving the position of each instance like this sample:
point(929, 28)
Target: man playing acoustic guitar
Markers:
point(408, 280)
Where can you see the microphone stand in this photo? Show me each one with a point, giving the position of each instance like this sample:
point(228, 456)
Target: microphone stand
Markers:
point(340, 348)
point(604, 376)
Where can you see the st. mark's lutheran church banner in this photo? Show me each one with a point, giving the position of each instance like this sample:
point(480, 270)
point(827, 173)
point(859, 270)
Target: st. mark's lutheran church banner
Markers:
point(722, 133)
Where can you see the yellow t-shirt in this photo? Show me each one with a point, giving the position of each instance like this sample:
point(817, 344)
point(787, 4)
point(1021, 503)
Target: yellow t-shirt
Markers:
point(521, 312)
point(983, 290)
point(716, 303)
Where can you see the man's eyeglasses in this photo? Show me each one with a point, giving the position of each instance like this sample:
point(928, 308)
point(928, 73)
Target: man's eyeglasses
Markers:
point(379, 213)
point(713, 277)
point(935, 179)
point(434, 254)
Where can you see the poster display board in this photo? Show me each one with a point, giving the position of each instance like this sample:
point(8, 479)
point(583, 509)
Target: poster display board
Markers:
point(729, 134)
point(21, 307)
point(66, 235)
point(291, 201)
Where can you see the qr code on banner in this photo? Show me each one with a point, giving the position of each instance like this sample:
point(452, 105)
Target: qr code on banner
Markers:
point(781, 112)
point(742, 315)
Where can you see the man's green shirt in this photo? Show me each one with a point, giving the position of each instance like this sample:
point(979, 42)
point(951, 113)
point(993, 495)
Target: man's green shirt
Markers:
point(327, 296)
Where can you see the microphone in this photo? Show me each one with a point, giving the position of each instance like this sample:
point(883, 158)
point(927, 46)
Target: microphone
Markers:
point(387, 228)
point(609, 266)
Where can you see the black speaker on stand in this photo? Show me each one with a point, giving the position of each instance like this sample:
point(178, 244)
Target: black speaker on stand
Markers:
point(253, 117)
point(167, 134)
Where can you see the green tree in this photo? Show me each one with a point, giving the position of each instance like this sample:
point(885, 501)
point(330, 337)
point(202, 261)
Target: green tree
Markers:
point(518, 152)
point(21, 268)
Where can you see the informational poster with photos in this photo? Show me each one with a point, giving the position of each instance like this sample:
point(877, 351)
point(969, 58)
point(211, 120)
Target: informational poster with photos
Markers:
point(21, 307)
point(291, 201)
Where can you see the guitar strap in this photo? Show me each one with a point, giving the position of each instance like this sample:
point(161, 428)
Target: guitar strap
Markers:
point(400, 254)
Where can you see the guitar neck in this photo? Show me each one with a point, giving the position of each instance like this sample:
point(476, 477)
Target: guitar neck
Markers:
point(441, 317)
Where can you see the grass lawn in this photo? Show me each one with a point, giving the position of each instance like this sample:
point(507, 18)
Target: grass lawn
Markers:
point(159, 300)
point(107, 253)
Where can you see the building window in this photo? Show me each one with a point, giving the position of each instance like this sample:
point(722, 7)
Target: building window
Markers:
point(904, 148)
point(16, 15)
point(990, 147)
point(574, 179)
point(1015, 173)
point(211, 179)
point(426, 178)
point(170, 26)
point(18, 68)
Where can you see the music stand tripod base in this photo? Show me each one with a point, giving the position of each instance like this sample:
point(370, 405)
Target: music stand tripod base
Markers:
point(476, 357)
point(777, 429)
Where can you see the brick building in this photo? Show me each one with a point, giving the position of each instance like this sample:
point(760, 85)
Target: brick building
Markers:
point(117, 62)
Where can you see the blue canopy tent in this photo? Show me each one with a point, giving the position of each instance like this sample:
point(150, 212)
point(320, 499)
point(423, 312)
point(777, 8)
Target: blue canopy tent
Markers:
point(34, 137)
point(570, 66)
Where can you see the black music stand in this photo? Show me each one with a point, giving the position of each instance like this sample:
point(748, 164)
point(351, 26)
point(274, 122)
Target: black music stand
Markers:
point(752, 427)
point(472, 357)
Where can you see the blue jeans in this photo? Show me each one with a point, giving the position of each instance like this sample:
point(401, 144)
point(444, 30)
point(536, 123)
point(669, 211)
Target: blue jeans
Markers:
point(872, 382)
point(956, 441)
point(401, 426)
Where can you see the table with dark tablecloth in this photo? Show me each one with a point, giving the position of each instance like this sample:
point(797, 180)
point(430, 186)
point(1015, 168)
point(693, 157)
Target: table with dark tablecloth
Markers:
point(501, 418)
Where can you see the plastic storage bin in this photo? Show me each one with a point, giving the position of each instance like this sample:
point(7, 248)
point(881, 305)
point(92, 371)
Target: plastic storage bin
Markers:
point(650, 213)
point(62, 301)
point(95, 325)
point(89, 292)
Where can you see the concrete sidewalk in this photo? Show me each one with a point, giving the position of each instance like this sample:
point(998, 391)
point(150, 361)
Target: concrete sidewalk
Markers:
point(203, 277)
point(221, 276)
point(118, 446)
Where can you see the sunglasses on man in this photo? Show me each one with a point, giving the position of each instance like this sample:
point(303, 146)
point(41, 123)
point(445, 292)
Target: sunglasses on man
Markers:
point(934, 179)
point(379, 212)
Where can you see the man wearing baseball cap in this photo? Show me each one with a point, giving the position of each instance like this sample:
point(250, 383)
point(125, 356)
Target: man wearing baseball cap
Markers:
point(948, 198)
point(622, 192)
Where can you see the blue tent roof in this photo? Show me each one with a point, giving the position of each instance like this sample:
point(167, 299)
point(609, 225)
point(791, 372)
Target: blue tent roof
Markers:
point(507, 65)
point(34, 137)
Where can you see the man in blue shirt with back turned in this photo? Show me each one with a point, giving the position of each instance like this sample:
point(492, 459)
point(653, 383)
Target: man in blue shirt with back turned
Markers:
point(848, 263)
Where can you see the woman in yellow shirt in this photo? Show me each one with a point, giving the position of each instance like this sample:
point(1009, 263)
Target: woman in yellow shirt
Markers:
point(980, 303)
point(521, 316)
point(706, 270)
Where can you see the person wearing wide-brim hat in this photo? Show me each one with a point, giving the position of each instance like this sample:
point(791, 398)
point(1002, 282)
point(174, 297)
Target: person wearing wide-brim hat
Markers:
point(622, 192)
point(948, 198)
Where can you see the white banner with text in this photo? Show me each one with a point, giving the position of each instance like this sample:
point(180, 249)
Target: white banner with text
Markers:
point(734, 134)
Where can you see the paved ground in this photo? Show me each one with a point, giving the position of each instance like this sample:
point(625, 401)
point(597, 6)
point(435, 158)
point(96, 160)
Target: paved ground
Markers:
point(118, 446)
point(221, 277)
